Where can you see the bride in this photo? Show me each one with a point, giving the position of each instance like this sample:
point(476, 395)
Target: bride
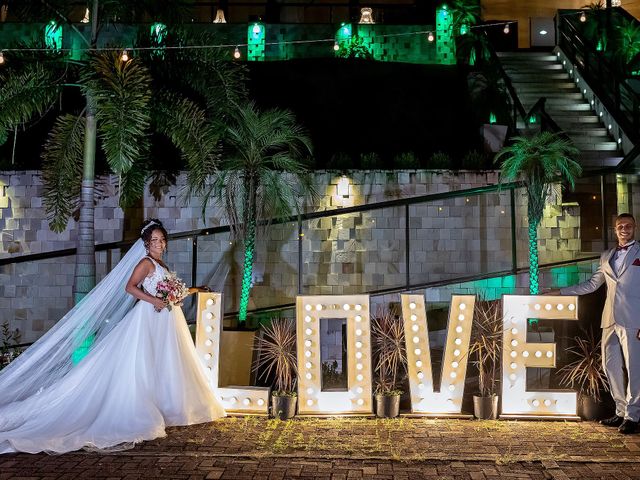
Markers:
point(110, 373)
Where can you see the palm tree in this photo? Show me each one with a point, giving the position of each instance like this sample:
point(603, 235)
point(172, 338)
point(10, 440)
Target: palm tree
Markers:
point(539, 162)
point(263, 176)
point(125, 100)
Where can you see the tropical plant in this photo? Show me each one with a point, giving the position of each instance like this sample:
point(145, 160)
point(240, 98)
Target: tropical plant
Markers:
point(466, 13)
point(585, 373)
point(485, 348)
point(389, 352)
point(489, 96)
point(355, 48)
point(539, 162)
point(122, 104)
point(627, 43)
point(263, 176)
point(8, 346)
point(276, 346)
point(595, 28)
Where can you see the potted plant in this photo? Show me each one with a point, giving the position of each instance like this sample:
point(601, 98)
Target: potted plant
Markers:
point(586, 375)
point(485, 351)
point(390, 361)
point(276, 359)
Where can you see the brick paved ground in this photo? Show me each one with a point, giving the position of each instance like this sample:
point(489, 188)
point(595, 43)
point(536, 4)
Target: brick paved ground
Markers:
point(257, 448)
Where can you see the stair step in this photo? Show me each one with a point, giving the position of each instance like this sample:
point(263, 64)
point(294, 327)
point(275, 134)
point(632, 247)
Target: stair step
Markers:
point(537, 77)
point(552, 96)
point(589, 159)
point(588, 144)
point(526, 57)
point(542, 67)
point(544, 87)
point(567, 107)
point(588, 130)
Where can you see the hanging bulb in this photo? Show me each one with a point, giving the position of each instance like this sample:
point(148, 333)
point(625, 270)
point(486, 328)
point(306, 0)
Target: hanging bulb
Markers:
point(336, 47)
point(125, 56)
point(506, 29)
point(236, 55)
point(1, 58)
point(430, 36)
point(85, 19)
point(583, 17)
point(220, 16)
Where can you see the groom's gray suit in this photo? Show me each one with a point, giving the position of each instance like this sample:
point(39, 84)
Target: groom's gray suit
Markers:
point(620, 326)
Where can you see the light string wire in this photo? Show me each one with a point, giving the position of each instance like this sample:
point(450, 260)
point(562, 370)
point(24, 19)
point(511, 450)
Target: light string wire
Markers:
point(237, 45)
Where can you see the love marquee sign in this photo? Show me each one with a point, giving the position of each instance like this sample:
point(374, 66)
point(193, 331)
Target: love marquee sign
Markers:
point(426, 398)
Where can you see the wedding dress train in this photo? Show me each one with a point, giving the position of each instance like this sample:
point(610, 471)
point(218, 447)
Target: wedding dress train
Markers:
point(143, 376)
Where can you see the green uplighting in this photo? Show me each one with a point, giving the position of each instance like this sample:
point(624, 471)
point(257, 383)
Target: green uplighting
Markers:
point(445, 44)
point(492, 118)
point(464, 29)
point(599, 46)
point(256, 34)
point(532, 119)
point(53, 35)
point(343, 38)
point(158, 34)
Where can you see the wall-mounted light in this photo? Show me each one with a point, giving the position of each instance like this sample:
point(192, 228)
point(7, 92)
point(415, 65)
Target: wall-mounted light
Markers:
point(342, 188)
point(219, 16)
point(366, 16)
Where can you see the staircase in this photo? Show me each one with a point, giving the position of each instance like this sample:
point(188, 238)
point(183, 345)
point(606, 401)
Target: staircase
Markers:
point(535, 75)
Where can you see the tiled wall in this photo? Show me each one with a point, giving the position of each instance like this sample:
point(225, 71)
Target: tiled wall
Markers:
point(349, 253)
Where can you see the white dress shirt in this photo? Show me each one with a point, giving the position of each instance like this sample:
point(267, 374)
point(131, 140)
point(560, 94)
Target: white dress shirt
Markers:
point(619, 256)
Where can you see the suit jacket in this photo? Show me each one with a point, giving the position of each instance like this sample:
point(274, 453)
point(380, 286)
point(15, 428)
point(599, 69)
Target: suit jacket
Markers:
point(623, 290)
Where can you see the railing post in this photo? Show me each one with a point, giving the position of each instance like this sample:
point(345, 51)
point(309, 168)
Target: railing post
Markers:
point(407, 245)
point(300, 235)
point(194, 259)
point(514, 243)
point(603, 207)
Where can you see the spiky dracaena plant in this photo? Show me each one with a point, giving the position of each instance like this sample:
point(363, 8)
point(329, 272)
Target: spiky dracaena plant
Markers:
point(485, 348)
point(540, 162)
point(586, 372)
point(389, 351)
point(263, 176)
point(277, 355)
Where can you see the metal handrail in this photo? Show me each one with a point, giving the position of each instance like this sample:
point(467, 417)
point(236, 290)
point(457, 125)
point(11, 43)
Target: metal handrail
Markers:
point(294, 218)
point(621, 101)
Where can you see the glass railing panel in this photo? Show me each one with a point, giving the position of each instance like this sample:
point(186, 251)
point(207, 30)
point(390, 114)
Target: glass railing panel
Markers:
point(354, 253)
point(460, 236)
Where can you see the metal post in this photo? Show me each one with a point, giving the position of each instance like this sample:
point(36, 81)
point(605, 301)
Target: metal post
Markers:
point(603, 207)
point(194, 259)
point(407, 246)
point(514, 243)
point(300, 235)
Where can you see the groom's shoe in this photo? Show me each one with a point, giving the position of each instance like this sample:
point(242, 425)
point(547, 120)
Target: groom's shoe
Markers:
point(614, 421)
point(628, 426)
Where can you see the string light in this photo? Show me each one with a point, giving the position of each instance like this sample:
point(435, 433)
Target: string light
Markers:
point(1, 58)
point(583, 17)
point(125, 56)
point(236, 53)
point(430, 37)
point(336, 47)
point(506, 29)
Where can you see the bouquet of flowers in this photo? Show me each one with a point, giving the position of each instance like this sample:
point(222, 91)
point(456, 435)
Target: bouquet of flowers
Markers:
point(172, 290)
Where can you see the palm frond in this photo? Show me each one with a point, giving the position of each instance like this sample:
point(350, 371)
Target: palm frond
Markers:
point(485, 347)
point(26, 92)
point(62, 169)
point(122, 93)
point(132, 184)
point(586, 372)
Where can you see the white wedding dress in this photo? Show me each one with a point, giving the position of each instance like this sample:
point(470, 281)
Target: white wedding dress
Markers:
point(143, 376)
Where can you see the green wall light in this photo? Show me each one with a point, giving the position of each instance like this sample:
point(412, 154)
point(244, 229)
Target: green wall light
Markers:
point(256, 34)
point(492, 118)
point(53, 35)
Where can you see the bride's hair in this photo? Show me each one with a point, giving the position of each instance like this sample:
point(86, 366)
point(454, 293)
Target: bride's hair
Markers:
point(148, 227)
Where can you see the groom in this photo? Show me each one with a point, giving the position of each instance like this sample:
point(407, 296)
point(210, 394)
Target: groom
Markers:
point(620, 269)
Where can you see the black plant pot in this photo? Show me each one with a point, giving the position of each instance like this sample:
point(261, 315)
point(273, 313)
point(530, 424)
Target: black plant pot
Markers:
point(387, 406)
point(283, 407)
point(592, 409)
point(485, 408)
